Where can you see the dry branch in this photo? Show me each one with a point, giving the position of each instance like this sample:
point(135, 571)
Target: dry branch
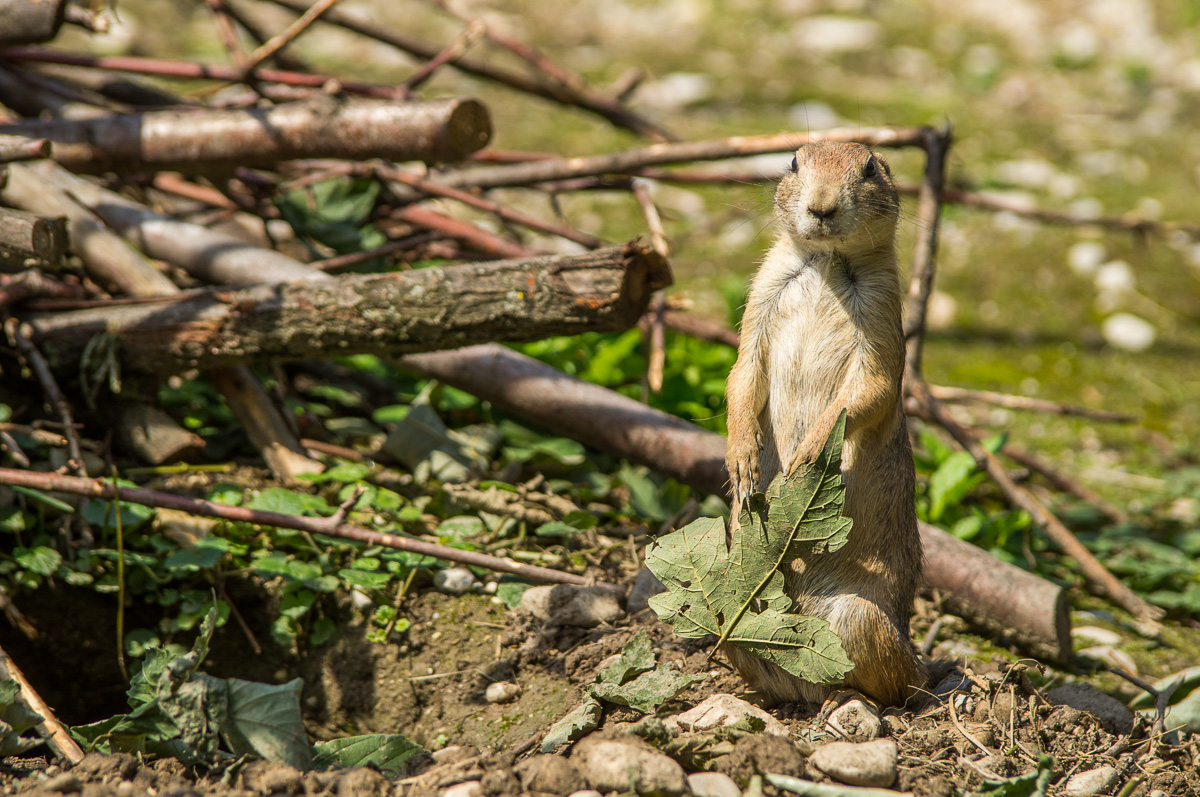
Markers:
point(629, 161)
point(50, 729)
point(189, 70)
point(22, 148)
point(477, 237)
point(582, 96)
point(624, 427)
point(929, 213)
point(276, 43)
point(30, 21)
point(1010, 401)
point(213, 140)
point(18, 337)
point(25, 236)
point(395, 313)
point(94, 488)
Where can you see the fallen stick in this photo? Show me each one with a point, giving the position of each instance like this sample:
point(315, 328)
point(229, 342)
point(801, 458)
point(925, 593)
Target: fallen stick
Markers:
point(1010, 401)
point(22, 148)
point(584, 96)
point(17, 337)
point(26, 236)
point(276, 43)
point(55, 734)
point(621, 426)
point(219, 140)
point(189, 70)
point(476, 237)
point(331, 526)
point(385, 314)
point(628, 161)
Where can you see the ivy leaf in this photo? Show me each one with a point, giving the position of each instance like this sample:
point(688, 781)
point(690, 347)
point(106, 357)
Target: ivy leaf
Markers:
point(648, 691)
point(736, 592)
point(389, 752)
point(636, 657)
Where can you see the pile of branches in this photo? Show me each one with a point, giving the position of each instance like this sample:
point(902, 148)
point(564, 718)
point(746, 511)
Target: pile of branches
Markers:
point(114, 269)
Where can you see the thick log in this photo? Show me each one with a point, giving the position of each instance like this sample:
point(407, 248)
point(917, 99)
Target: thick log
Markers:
point(30, 21)
point(218, 140)
point(396, 313)
point(25, 236)
point(621, 426)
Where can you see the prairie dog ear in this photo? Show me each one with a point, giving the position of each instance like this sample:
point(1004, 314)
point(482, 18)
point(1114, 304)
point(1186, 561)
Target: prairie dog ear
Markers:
point(883, 163)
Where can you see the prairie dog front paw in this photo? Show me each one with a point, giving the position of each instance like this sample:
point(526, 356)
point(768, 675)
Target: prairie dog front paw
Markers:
point(742, 455)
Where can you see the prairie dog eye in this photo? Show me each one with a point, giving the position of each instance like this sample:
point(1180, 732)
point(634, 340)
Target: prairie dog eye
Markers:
point(794, 167)
point(870, 169)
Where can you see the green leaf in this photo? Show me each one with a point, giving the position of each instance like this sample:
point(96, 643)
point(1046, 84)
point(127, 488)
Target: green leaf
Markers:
point(387, 752)
point(582, 719)
point(42, 498)
point(41, 560)
point(265, 720)
point(950, 483)
point(286, 502)
point(104, 514)
point(198, 558)
point(364, 578)
point(648, 691)
point(737, 593)
point(322, 631)
point(510, 592)
point(636, 657)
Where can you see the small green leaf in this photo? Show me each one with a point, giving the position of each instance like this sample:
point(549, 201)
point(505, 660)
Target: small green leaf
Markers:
point(41, 560)
point(387, 752)
point(581, 720)
point(265, 720)
point(322, 631)
point(648, 691)
point(636, 657)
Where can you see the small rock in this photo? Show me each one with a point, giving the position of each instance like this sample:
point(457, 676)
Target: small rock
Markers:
point(361, 600)
point(502, 692)
point(585, 793)
point(1085, 257)
point(855, 720)
point(65, 783)
point(452, 754)
point(455, 581)
point(563, 604)
point(625, 764)
point(361, 782)
point(677, 90)
point(267, 777)
point(645, 586)
point(721, 711)
point(1090, 783)
point(865, 764)
point(1129, 332)
point(1096, 635)
point(824, 34)
point(469, 788)
point(713, 784)
point(549, 774)
point(1113, 715)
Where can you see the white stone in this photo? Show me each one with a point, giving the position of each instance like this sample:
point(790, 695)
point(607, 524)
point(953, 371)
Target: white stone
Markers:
point(721, 711)
point(1085, 257)
point(1129, 332)
point(502, 692)
point(1116, 277)
point(855, 720)
point(470, 788)
point(564, 604)
point(713, 784)
point(1110, 656)
point(941, 310)
point(455, 581)
point(677, 90)
point(360, 600)
point(1090, 783)
point(864, 764)
point(624, 764)
point(585, 793)
point(1092, 633)
point(825, 34)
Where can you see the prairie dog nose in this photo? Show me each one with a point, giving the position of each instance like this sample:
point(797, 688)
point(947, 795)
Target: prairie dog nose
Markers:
point(822, 212)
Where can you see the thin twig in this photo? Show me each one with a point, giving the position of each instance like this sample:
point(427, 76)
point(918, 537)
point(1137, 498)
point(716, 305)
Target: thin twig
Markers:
point(1008, 400)
point(508, 214)
point(51, 730)
point(20, 148)
point(929, 212)
point(196, 71)
point(449, 54)
point(54, 482)
point(225, 28)
point(33, 283)
point(277, 43)
point(41, 370)
point(476, 237)
point(656, 361)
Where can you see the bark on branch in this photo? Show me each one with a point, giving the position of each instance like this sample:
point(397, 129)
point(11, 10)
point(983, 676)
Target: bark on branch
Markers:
point(24, 236)
point(624, 427)
point(29, 22)
point(395, 313)
point(214, 140)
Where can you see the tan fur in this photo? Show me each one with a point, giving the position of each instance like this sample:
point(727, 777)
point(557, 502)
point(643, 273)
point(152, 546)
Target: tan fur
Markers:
point(821, 333)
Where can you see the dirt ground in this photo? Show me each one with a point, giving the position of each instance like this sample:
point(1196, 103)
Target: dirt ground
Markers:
point(429, 685)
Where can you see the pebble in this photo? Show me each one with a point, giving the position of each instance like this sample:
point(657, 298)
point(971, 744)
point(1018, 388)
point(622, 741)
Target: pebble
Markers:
point(823, 34)
point(1113, 715)
point(585, 793)
point(1110, 656)
point(502, 692)
point(645, 586)
point(455, 581)
point(1128, 331)
point(549, 774)
point(721, 711)
point(625, 764)
point(855, 720)
point(1085, 257)
point(713, 784)
point(677, 90)
point(563, 604)
point(863, 764)
point(64, 783)
point(1090, 783)
point(1096, 635)
point(470, 788)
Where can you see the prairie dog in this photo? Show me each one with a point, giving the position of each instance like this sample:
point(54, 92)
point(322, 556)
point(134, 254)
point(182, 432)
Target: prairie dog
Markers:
point(822, 332)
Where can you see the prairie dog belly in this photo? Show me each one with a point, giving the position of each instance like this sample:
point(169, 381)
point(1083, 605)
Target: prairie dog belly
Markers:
point(805, 367)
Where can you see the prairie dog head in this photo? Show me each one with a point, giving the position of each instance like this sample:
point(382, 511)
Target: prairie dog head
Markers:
point(838, 196)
